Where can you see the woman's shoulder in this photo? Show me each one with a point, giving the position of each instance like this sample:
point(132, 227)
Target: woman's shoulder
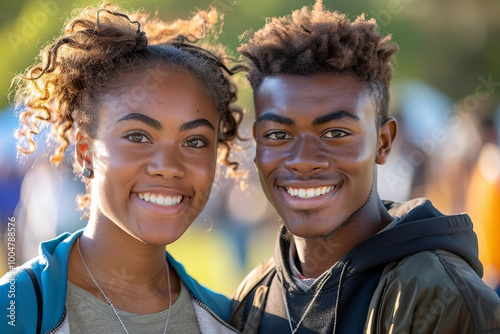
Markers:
point(216, 302)
point(22, 276)
point(18, 298)
point(53, 253)
point(40, 281)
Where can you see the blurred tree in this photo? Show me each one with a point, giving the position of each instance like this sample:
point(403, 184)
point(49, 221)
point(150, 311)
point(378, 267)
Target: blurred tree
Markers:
point(451, 44)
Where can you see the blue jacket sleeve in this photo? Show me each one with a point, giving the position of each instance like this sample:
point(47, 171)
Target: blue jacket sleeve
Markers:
point(18, 303)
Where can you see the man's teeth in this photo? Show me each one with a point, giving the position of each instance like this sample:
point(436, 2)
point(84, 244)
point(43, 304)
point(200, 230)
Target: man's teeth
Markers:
point(309, 192)
point(160, 200)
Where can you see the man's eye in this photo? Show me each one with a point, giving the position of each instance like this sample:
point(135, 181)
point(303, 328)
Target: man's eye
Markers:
point(335, 134)
point(138, 138)
point(278, 135)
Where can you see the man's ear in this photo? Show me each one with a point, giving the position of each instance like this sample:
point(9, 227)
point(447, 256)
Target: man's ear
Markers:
point(387, 133)
point(254, 130)
point(82, 153)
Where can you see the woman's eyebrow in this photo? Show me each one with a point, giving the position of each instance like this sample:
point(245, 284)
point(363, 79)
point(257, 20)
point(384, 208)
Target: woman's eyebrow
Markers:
point(196, 123)
point(142, 118)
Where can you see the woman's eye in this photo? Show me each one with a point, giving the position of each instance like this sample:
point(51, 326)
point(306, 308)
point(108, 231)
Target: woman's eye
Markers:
point(138, 138)
point(196, 142)
point(278, 135)
point(335, 134)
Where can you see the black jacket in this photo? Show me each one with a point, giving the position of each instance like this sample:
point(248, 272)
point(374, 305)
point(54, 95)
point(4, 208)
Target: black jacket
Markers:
point(416, 276)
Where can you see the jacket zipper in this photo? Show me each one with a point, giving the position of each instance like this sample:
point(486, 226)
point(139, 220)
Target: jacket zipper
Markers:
point(59, 324)
point(206, 308)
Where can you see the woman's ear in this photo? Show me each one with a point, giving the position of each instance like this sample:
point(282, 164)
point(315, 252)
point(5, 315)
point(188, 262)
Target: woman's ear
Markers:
point(83, 156)
point(387, 133)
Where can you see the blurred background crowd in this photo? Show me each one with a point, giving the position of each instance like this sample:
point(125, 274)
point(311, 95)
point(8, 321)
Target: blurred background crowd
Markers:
point(445, 96)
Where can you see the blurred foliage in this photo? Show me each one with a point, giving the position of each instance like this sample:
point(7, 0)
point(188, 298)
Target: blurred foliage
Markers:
point(447, 43)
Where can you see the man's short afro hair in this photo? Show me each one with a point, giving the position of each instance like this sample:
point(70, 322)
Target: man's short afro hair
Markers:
point(320, 41)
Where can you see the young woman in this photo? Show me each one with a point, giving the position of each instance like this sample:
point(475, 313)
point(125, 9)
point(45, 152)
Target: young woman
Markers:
point(146, 107)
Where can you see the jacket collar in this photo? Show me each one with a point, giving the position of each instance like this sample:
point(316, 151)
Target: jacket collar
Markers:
point(51, 269)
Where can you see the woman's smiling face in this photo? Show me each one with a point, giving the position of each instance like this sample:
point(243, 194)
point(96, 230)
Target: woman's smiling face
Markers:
point(154, 155)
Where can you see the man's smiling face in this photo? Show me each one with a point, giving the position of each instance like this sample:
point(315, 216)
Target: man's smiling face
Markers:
point(317, 146)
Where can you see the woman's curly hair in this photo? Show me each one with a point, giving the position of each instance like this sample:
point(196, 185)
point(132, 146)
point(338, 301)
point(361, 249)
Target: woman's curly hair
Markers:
point(320, 41)
point(98, 46)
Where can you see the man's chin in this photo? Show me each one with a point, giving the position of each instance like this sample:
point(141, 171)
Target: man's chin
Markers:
point(310, 224)
point(313, 231)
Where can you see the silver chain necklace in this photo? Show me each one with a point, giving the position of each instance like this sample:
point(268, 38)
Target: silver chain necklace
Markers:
point(111, 304)
point(320, 287)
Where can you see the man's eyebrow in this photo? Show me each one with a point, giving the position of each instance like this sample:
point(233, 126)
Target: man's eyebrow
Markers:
point(334, 116)
point(196, 123)
point(142, 118)
point(274, 118)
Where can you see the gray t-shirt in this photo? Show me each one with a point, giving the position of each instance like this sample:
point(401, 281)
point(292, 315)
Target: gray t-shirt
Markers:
point(88, 314)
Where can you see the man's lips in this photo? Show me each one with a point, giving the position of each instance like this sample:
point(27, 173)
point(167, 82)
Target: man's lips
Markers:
point(309, 192)
point(305, 198)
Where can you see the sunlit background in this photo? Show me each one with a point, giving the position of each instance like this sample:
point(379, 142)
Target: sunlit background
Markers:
point(444, 95)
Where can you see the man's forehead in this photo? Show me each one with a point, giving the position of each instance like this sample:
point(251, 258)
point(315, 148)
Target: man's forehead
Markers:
point(315, 79)
point(324, 92)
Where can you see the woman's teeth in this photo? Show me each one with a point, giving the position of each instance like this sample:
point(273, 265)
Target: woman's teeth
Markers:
point(309, 192)
point(160, 200)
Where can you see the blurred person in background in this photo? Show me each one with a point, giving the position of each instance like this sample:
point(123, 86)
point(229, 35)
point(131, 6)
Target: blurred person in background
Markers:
point(33, 189)
point(461, 172)
point(483, 198)
point(148, 106)
point(483, 206)
point(345, 261)
point(446, 169)
point(419, 110)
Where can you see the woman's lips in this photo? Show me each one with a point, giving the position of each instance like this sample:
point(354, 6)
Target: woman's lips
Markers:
point(164, 200)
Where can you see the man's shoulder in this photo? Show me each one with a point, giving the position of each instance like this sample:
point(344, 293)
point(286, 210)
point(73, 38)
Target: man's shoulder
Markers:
point(253, 279)
point(439, 269)
point(441, 288)
point(252, 291)
point(434, 267)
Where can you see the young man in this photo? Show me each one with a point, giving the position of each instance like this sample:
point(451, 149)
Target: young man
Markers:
point(346, 262)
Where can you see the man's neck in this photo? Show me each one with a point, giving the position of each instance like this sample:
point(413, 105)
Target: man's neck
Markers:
point(318, 254)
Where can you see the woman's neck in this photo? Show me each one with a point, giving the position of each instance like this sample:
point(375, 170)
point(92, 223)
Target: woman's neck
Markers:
point(132, 274)
point(111, 249)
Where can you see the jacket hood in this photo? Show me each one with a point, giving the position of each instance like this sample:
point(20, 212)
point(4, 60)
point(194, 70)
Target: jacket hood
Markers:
point(420, 227)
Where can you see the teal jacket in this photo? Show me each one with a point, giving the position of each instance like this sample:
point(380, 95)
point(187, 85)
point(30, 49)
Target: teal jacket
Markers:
point(33, 296)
